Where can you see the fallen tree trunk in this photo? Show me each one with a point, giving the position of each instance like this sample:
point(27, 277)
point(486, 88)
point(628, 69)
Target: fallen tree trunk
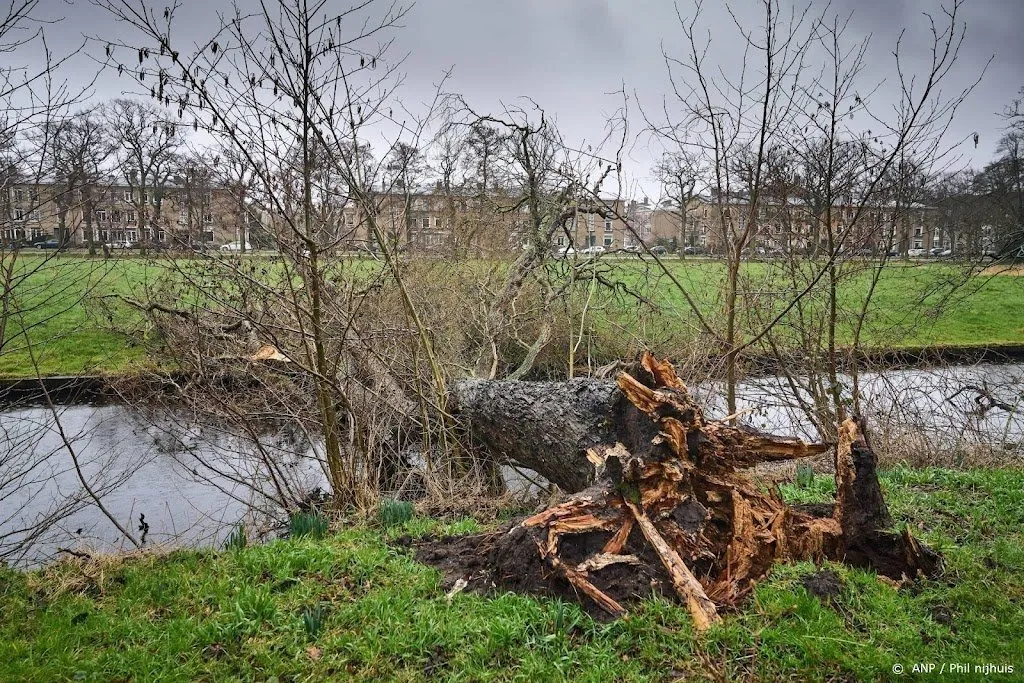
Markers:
point(548, 426)
point(669, 507)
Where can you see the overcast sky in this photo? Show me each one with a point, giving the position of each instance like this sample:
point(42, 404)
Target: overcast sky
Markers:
point(569, 55)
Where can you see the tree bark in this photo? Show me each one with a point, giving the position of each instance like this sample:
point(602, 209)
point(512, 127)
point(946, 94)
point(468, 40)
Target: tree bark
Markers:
point(548, 426)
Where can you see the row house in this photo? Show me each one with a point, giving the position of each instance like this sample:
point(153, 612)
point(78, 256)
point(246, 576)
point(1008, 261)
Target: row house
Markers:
point(430, 220)
point(116, 212)
point(794, 226)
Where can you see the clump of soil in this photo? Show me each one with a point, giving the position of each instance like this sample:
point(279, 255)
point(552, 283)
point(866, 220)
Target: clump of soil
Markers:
point(507, 560)
point(824, 585)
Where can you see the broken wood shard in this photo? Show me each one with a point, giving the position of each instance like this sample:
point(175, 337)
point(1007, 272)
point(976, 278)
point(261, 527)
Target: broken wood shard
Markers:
point(689, 589)
point(642, 456)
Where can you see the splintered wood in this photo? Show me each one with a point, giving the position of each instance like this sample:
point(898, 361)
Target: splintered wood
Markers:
point(701, 519)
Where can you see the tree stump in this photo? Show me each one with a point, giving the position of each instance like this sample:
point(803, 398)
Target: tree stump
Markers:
point(669, 507)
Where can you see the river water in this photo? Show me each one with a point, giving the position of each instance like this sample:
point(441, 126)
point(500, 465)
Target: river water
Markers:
point(186, 483)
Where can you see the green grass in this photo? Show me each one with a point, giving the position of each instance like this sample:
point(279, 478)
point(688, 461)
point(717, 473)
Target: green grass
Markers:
point(351, 607)
point(71, 332)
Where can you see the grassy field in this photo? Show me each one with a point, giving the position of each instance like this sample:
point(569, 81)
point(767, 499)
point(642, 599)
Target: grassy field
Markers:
point(70, 335)
point(353, 607)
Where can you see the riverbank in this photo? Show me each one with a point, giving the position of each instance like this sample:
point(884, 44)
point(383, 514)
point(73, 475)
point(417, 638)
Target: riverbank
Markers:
point(70, 390)
point(356, 606)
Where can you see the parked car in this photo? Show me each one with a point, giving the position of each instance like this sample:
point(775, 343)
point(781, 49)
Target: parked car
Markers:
point(565, 252)
point(631, 249)
point(123, 244)
point(48, 244)
point(659, 250)
point(935, 251)
point(915, 253)
point(694, 251)
point(595, 250)
point(946, 252)
point(235, 246)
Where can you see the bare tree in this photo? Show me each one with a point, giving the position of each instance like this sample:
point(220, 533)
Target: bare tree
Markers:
point(779, 131)
point(40, 138)
point(677, 174)
point(148, 144)
point(294, 90)
point(80, 147)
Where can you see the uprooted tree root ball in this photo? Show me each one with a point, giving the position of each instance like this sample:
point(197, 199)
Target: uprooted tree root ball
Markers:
point(674, 514)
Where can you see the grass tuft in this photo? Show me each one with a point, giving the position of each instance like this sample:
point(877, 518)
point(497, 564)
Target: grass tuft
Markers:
point(394, 512)
point(313, 525)
point(237, 539)
point(313, 620)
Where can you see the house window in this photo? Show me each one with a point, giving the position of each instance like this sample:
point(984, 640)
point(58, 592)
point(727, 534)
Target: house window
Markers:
point(145, 197)
point(161, 236)
point(130, 216)
point(426, 222)
point(101, 215)
point(350, 220)
point(127, 195)
point(19, 195)
point(918, 244)
point(131, 235)
point(208, 235)
point(607, 225)
point(607, 240)
point(207, 217)
point(19, 214)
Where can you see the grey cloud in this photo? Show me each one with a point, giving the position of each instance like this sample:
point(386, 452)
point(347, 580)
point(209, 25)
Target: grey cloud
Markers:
point(569, 54)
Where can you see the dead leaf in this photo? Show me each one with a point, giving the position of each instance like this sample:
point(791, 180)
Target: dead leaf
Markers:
point(269, 352)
